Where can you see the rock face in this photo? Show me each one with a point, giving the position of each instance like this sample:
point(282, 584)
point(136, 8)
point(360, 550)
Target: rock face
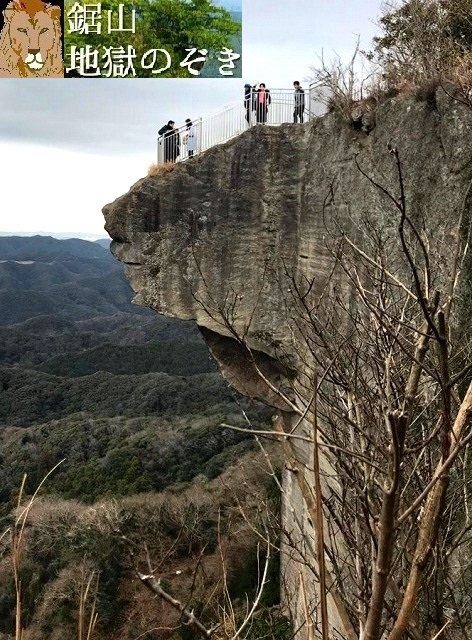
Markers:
point(220, 231)
point(224, 239)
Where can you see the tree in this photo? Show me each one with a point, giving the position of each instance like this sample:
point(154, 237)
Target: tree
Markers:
point(423, 39)
point(394, 403)
point(376, 428)
point(173, 25)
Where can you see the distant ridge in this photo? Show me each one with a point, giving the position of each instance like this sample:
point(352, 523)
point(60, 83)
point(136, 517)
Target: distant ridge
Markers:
point(60, 235)
point(44, 247)
point(75, 278)
point(104, 242)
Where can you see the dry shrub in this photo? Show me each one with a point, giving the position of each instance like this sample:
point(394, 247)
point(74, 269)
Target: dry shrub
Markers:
point(6, 572)
point(160, 169)
point(421, 87)
point(64, 589)
point(425, 44)
point(186, 533)
point(457, 83)
point(462, 78)
point(53, 512)
point(353, 90)
point(338, 86)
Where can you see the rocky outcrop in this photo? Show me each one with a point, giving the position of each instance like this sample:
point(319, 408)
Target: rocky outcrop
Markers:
point(224, 238)
point(220, 232)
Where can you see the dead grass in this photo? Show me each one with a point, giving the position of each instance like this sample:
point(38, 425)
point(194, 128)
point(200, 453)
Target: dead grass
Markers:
point(160, 169)
point(461, 77)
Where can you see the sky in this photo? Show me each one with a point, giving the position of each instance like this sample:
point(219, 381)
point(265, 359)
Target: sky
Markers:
point(67, 147)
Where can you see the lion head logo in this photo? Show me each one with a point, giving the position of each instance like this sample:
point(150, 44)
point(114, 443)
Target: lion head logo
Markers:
point(30, 42)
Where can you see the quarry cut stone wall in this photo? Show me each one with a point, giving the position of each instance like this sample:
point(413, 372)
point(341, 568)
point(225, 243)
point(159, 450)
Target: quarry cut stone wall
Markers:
point(213, 240)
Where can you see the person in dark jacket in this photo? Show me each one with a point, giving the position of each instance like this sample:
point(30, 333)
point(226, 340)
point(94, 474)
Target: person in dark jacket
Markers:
point(299, 101)
point(262, 101)
point(171, 141)
point(248, 101)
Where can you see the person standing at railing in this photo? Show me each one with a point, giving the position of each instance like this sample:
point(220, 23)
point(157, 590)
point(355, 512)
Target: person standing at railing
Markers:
point(248, 101)
point(299, 98)
point(171, 141)
point(190, 138)
point(263, 100)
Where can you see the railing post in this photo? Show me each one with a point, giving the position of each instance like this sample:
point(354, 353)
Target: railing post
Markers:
point(198, 130)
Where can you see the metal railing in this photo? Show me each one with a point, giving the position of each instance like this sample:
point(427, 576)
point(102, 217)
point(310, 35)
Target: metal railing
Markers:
point(281, 108)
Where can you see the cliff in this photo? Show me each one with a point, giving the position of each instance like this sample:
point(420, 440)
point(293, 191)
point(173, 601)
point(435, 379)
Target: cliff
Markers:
point(221, 231)
point(242, 236)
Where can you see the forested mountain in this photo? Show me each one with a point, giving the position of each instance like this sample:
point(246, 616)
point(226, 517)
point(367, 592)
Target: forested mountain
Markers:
point(103, 242)
point(79, 364)
point(44, 248)
point(73, 279)
point(129, 403)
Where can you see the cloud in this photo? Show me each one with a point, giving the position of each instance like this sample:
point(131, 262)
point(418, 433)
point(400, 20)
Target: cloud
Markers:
point(85, 141)
point(104, 116)
point(57, 190)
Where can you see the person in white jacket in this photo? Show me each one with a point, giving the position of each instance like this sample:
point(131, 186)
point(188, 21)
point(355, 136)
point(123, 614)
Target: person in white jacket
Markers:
point(191, 137)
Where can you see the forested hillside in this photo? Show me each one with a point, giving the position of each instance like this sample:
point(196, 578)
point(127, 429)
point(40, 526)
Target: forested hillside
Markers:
point(73, 279)
point(130, 404)
point(98, 380)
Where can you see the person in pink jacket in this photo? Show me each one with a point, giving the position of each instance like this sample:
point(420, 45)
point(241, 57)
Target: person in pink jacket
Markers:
point(262, 100)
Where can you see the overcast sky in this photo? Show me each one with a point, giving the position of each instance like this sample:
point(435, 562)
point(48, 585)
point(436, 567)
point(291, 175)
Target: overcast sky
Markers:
point(69, 146)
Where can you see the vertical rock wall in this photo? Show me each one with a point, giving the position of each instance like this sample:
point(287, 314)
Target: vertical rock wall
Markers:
point(222, 239)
